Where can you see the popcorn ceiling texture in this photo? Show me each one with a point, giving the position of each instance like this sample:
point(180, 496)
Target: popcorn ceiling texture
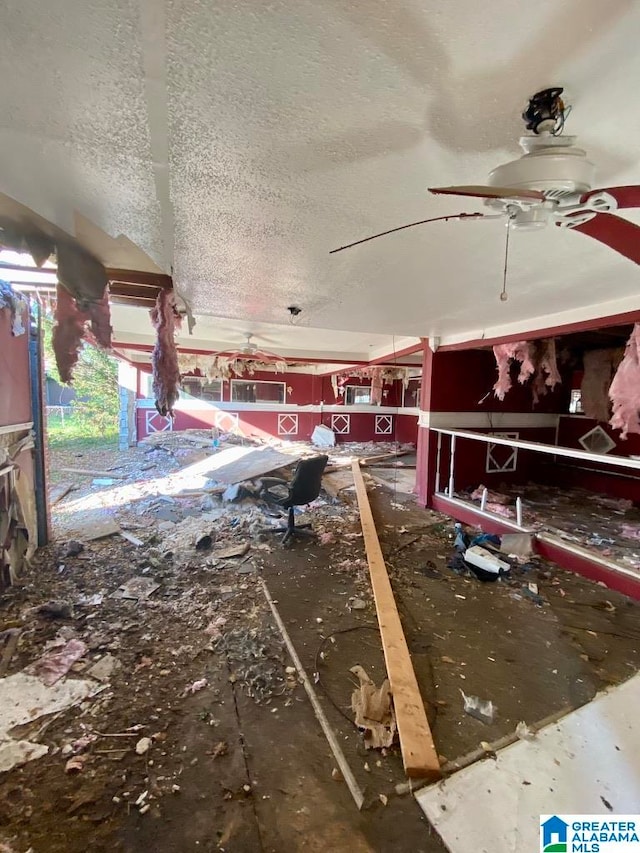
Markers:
point(73, 124)
point(240, 141)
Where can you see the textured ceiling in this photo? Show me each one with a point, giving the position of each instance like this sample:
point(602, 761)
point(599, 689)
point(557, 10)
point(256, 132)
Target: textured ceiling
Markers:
point(132, 326)
point(238, 142)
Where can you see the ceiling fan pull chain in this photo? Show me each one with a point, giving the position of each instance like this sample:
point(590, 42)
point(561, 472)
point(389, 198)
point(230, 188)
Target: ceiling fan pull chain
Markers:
point(504, 295)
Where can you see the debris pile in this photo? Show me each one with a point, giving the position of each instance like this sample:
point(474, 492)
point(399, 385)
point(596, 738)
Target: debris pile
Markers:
point(256, 660)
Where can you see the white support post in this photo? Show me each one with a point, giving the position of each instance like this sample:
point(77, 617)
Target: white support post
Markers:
point(438, 455)
point(452, 459)
point(519, 511)
point(483, 499)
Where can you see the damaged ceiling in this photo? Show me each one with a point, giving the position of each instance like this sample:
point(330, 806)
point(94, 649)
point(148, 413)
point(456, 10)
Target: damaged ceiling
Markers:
point(237, 144)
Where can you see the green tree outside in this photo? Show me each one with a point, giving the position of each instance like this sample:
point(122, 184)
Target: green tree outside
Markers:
point(95, 381)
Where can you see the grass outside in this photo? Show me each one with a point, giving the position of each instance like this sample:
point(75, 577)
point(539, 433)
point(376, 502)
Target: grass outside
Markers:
point(79, 433)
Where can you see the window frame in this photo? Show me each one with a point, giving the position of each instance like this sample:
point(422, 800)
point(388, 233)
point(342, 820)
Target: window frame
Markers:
point(417, 379)
point(203, 381)
point(357, 388)
point(236, 382)
point(575, 402)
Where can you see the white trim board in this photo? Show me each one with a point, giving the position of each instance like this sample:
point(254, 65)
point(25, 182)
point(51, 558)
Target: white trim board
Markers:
point(188, 404)
point(568, 768)
point(9, 428)
point(488, 420)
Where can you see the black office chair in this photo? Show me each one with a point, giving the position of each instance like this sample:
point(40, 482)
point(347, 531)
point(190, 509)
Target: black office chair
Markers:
point(303, 488)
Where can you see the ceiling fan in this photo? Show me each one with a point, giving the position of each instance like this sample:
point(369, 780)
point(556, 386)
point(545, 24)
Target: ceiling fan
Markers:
point(249, 352)
point(550, 183)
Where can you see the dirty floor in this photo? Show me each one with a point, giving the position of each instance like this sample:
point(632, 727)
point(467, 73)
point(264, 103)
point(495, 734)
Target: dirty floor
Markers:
point(201, 737)
point(610, 527)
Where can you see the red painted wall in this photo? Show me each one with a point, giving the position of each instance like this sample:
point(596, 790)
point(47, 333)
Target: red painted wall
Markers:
point(264, 423)
point(462, 379)
point(15, 385)
point(471, 460)
point(617, 482)
point(303, 389)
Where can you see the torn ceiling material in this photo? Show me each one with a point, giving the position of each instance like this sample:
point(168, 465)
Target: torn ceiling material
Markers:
point(166, 371)
point(81, 299)
point(26, 238)
point(223, 367)
point(625, 388)
point(70, 329)
point(505, 354)
point(599, 368)
point(537, 359)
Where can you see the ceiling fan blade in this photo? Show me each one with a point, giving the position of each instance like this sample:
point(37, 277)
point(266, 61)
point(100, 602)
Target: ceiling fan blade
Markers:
point(625, 196)
point(410, 225)
point(490, 192)
point(619, 234)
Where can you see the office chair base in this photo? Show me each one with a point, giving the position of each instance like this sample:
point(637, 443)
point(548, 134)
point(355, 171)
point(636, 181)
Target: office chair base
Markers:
point(301, 530)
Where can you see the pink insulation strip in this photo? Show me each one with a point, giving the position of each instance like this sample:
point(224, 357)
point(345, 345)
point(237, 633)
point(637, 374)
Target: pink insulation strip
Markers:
point(54, 664)
point(549, 363)
point(504, 354)
point(166, 373)
point(630, 531)
point(71, 327)
point(625, 388)
point(494, 497)
point(598, 371)
point(376, 386)
point(546, 364)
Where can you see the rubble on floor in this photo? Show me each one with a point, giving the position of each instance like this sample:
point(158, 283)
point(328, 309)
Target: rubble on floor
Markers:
point(607, 525)
point(166, 658)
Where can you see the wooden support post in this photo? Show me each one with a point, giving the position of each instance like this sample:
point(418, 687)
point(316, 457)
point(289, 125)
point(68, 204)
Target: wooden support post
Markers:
point(419, 754)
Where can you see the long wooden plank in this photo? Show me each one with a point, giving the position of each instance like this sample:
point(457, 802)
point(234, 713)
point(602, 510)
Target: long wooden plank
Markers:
point(87, 472)
point(365, 461)
point(419, 754)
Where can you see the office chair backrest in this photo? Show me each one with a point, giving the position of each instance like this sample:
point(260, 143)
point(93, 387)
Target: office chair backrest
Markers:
point(306, 482)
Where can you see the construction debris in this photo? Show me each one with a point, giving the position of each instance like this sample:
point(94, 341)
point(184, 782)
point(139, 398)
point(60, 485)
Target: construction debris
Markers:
point(373, 711)
point(255, 657)
point(103, 669)
point(54, 664)
point(481, 709)
point(138, 589)
point(322, 436)
point(25, 698)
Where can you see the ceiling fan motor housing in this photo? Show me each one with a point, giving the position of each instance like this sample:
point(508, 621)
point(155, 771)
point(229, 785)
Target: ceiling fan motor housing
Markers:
point(550, 163)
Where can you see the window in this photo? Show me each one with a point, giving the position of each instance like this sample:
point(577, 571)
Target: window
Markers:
point(198, 386)
point(358, 395)
point(257, 392)
point(575, 404)
point(411, 394)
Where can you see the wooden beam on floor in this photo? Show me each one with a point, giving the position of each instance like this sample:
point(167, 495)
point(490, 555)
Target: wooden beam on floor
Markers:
point(383, 457)
point(419, 755)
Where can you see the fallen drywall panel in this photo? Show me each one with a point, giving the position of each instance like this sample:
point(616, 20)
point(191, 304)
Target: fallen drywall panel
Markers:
point(24, 698)
point(585, 764)
point(236, 464)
